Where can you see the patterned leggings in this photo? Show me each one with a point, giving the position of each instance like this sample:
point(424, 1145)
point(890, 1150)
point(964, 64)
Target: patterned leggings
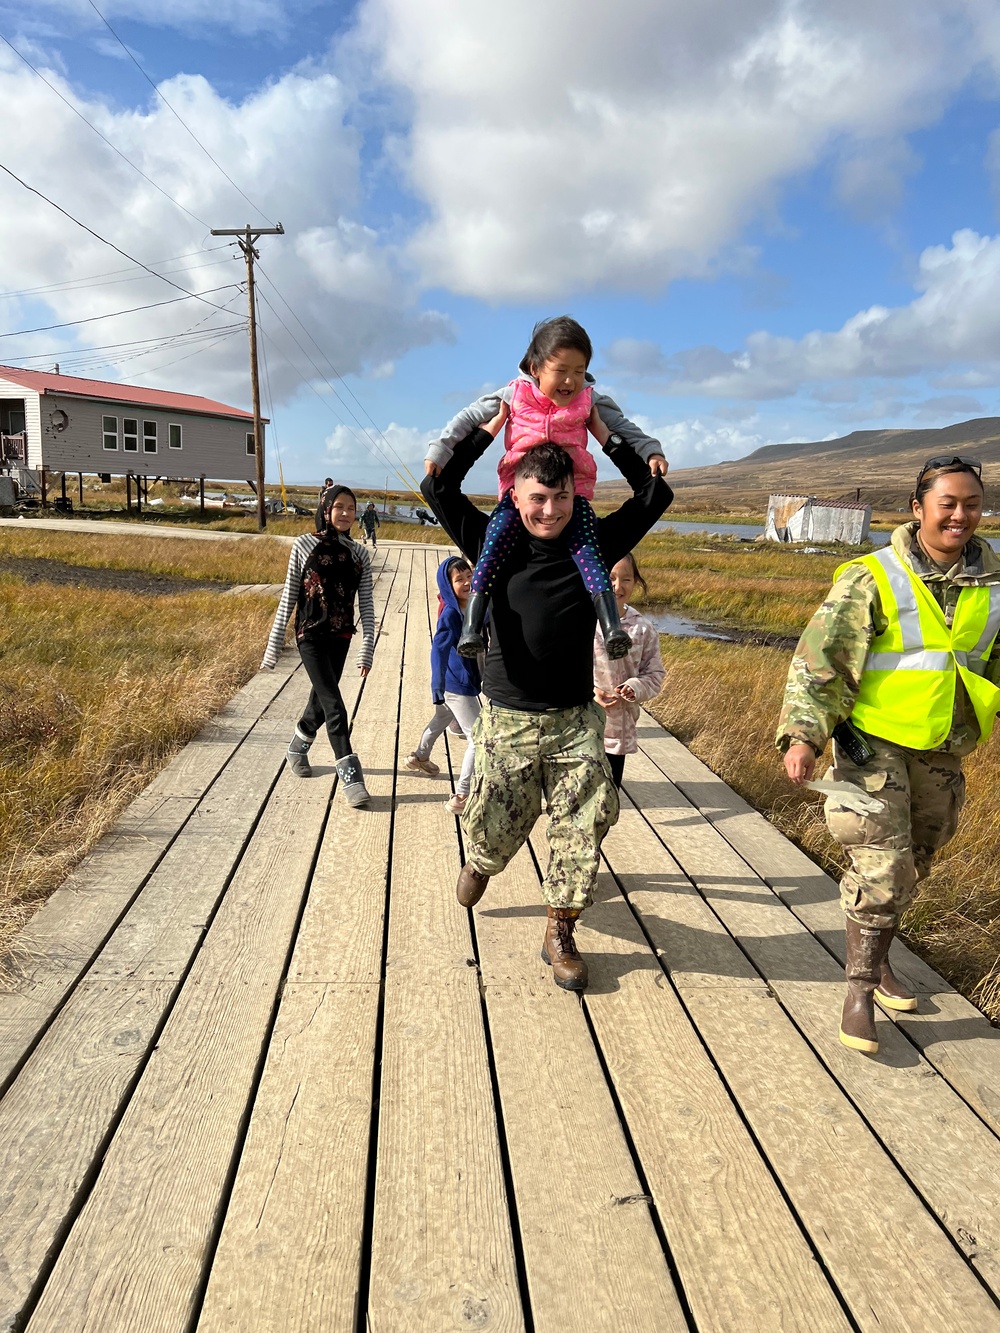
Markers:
point(503, 527)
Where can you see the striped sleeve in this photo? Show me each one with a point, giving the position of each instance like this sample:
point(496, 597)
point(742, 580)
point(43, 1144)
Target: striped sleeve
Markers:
point(366, 607)
point(302, 547)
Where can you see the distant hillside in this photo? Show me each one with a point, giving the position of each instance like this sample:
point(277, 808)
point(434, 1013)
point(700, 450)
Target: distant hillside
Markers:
point(882, 464)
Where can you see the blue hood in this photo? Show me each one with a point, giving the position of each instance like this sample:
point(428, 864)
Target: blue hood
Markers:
point(449, 671)
point(444, 582)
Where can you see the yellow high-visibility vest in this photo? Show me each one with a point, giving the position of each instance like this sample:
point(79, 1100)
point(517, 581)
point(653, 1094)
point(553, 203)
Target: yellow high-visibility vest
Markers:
point(907, 690)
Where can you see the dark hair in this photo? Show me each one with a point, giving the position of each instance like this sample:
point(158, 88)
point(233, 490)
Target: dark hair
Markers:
point(328, 481)
point(927, 479)
point(552, 335)
point(636, 575)
point(456, 562)
point(545, 463)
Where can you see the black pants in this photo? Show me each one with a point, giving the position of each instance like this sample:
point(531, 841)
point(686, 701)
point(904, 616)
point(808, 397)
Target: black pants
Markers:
point(617, 765)
point(324, 663)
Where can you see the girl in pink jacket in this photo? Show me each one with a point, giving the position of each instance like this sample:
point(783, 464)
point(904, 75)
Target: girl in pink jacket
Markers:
point(551, 404)
point(621, 686)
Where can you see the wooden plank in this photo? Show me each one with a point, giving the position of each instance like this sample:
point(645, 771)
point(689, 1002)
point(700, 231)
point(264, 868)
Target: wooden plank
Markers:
point(135, 1258)
point(54, 949)
point(289, 1255)
point(56, 1117)
point(741, 1256)
point(850, 1196)
point(913, 1111)
point(587, 1233)
point(341, 934)
point(895, 1268)
point(442, 1254)
point(951, 1033)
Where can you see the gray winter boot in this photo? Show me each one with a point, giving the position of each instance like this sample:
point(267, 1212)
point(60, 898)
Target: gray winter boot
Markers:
point(298, 755)
point(352, 780)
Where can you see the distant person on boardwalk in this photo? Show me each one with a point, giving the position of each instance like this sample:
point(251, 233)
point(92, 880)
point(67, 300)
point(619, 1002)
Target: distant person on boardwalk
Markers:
point(326, 572)
point(540, 732)
point(622, 684)
point(901, 666)
point(552, 400)
point(369, 522)
point(455, 682)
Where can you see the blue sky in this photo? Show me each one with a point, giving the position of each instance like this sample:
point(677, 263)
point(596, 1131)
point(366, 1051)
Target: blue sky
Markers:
point(777, 221)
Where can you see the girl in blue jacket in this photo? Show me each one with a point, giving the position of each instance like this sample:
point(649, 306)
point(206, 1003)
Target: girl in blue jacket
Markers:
point(455, 682)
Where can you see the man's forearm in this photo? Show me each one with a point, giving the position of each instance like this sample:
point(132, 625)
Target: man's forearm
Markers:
point(459, 517)
point(651, 497)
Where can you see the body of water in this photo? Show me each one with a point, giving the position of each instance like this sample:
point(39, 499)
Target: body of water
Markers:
point(754, 530)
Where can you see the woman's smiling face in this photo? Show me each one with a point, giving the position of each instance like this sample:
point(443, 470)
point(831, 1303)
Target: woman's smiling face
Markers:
point(949, 513)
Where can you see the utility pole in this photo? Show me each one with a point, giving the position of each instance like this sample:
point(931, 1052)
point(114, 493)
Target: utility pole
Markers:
point(246, 238)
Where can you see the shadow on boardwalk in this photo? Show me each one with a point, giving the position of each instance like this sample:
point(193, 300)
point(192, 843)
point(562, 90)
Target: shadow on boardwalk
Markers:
point(261, 1072)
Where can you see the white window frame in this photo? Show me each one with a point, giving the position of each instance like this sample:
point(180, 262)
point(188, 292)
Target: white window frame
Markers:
point(178, 427)
point(109, 434)
point(146, 437)
point(132, 435)
point(251, 445)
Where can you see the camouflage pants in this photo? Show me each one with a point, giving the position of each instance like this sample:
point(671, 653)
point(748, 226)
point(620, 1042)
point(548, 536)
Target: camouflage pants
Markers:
point(521, 757)
point(922, 792)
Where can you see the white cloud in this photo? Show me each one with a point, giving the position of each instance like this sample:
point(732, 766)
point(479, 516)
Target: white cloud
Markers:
point(341, 278)
point(625, 145)
point(699, 442)
point(953, 324)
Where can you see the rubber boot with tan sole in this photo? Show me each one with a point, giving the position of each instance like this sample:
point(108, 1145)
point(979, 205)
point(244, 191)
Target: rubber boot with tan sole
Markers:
point(890, 991)
point(866, 949)
point(559, 950)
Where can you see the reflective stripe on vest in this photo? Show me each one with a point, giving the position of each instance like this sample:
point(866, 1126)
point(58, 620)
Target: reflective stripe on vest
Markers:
point(907, 690)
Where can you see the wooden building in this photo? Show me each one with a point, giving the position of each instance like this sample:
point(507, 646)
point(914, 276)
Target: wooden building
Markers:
point(59, 423)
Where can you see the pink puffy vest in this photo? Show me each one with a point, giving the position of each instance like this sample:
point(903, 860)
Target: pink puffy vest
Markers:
point(535, 419)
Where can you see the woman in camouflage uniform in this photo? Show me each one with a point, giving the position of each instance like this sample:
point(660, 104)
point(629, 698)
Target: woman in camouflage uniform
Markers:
point(903, 651)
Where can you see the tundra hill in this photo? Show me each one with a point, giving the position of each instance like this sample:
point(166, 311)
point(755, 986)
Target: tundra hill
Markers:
point(882, 463)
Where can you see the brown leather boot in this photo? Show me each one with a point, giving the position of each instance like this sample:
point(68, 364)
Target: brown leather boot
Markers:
point(866, 948)
point(471, 885)
point(559, 950)
point(890, 991)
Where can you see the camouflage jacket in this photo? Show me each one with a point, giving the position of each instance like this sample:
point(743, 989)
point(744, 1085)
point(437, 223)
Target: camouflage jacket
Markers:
point(825, 674)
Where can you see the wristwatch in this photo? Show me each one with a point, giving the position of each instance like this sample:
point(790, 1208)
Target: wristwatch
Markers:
point(614, 441)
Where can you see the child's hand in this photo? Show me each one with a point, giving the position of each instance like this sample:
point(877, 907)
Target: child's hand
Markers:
point(431, 469)
point(658, 465)
point(605, 699)
point(627, 693)
point(364, 671)
point(494, 426)
point(597, 427)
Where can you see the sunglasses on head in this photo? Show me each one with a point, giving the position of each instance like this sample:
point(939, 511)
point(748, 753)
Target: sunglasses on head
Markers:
point(950, 460)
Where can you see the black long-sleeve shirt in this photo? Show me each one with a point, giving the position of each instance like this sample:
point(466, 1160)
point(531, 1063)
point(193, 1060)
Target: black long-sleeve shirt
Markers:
point(541, 652)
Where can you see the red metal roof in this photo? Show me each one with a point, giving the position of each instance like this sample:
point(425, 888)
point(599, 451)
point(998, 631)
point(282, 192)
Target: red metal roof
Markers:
point(43, 381)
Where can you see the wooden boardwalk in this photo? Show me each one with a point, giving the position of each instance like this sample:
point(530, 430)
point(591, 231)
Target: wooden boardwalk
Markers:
point(260, 1071)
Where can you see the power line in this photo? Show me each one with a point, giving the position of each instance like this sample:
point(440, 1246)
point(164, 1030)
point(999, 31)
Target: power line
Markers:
point(69, 356)
point(373, 444)
point(288, 306)
point(399, 467)
point(93, 319)
point(103, 239)
point(174, 112)
point(81, 284)
point(77, 112)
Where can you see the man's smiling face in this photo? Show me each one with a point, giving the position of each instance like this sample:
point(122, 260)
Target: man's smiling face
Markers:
point(544, 510)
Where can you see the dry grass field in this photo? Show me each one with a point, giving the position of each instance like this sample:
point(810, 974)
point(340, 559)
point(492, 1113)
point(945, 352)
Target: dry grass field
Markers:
point(98, 689)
